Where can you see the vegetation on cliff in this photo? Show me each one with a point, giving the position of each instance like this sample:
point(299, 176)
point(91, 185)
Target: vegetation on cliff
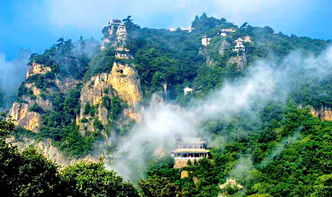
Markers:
point(284, 152)
point(28, 173)
point(287, 154)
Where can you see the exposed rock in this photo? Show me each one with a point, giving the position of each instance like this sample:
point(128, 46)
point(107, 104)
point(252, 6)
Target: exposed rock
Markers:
point(239, 60)
point(65, 84)
point(323, 113)
point(49, 151)
point(41, 102)
point(104, 43)
point(37, 69)
point(36, 91)
point(132, 114)
point(224, 45)
point(21, 116)
point(122, 81)
point(209, 61)
point(126, 83)
point(19, 112)
point(232, 183)
point(229, 183)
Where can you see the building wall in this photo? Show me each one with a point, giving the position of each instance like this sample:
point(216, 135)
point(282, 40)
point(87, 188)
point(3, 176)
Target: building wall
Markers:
point(183, 162)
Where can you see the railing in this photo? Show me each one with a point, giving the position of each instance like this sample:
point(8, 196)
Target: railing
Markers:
point(189, 158)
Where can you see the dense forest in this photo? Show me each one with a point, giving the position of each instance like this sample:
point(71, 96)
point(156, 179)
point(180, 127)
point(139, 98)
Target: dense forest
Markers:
point(284, 151)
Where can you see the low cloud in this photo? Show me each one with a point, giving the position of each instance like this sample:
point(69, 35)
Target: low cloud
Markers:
point(12, 74)
point(163, 122)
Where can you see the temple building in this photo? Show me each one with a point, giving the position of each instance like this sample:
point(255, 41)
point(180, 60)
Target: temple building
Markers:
point(225, 32)
point(205, 41)
point(121, 34)
point(247, 39)
point(188, 29)
point(115, 22)
point(122, 53)
point(189, 149)
point(187, 90)
point(239, 45)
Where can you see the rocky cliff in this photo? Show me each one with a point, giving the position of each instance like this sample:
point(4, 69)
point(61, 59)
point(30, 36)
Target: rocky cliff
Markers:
point(323, 113)
point(48, 150)
point(26, 111)
point(21, 112)
point(36, 68)
point(123, 82)
point(23, 117)
point(240, 61)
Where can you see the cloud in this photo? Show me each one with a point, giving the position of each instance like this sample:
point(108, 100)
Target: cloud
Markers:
point(94, 14)
point(163, 122)
point(276, 151)
point(12, 73)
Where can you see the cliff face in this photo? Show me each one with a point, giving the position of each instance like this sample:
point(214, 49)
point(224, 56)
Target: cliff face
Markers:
point(26, 112)
point(122, 81)
point(240, 61)
point(37, 69)
point(21, 116)
point(323, 114)
point(104, 103)
point(21, 113)
point(125, 81)
point(224, 45)
point(48, 150)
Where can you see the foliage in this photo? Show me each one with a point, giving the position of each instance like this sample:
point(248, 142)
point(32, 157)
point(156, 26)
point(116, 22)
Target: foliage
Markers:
point(272, 164)
point(63, 60)
point(30, 174)
point(300, 168)
point(92, 179)
point(100, 63)
point(27, 173)
point(114, 105)
point(36, 108)
point(59, 125)
point(98, 125)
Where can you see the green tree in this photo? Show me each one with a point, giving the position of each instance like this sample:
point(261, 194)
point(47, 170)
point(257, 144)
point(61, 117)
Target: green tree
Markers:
point(92, 179)
point(27, 173)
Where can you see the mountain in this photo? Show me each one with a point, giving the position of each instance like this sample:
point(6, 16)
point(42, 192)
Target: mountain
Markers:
point(80, 101)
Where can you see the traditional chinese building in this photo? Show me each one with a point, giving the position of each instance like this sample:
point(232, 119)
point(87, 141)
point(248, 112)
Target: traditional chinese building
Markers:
point(121, 34)
point(122, 53)
point(187, 90)
point(205, 41)
point(188, 29)
point(115, 22)
point(239, 45)
point(189, 149)
point(247, 39)
point(225, 32)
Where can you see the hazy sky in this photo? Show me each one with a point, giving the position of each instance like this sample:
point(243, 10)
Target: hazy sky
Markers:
point(36, 24)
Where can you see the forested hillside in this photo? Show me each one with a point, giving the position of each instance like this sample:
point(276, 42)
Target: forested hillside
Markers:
point(81, 99)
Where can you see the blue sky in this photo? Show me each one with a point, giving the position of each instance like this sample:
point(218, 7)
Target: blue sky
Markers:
point(36, 24)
